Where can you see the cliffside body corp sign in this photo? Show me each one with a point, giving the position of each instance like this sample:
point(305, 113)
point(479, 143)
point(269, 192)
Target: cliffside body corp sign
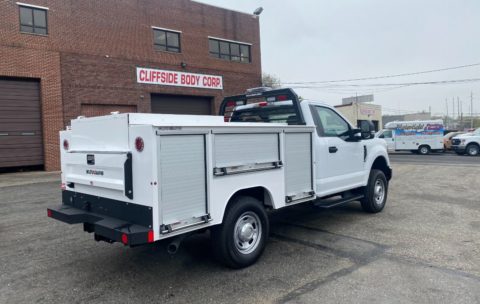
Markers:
point(180, 79)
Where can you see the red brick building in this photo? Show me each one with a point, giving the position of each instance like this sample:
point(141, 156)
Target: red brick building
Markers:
point(61, 59)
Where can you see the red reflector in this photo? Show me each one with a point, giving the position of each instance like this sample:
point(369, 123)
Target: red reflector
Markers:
point(150, 236)
point(125, 239)
point(282, 97)
point(49, 213)
point(63, 187)
point(262, 104)
point(139, 144)
point(231, 104)
point(226, 119)
point(66, 145)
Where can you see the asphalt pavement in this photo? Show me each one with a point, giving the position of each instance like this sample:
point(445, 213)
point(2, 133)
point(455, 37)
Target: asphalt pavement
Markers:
point(423, 248)
point(444, 159)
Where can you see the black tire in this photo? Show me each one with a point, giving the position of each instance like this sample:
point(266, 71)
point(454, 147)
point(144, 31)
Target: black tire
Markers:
point(228, 245)
point(424, 150)
point(472, 150)
point(371, 203)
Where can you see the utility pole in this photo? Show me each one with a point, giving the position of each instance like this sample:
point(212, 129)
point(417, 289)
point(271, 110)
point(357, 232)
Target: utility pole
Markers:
point(446, 117)
point(471, 110)
point(458, 109)
point(453, 107)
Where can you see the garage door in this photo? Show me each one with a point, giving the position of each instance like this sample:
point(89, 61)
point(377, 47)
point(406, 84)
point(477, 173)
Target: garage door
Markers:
point(180, 104)
point(20, 124)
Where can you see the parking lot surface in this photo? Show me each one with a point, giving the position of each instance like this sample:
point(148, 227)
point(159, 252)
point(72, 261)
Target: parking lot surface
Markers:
point(423, 248)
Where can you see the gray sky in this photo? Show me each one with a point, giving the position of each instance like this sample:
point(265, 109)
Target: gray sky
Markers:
point(315, 40)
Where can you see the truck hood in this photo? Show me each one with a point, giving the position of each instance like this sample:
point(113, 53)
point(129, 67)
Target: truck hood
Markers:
point(466, 135)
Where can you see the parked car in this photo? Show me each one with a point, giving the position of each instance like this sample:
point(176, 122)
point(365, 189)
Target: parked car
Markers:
point(468, 143)
point(447, 139)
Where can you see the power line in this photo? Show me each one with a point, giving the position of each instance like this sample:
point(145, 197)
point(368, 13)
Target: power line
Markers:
point(387, 76)
point(455, 81)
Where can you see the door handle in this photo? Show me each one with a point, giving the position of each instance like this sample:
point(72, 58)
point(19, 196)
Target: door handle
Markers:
point(332, 149)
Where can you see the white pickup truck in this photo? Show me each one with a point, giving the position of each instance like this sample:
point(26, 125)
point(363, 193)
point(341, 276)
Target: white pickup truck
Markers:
point(141, 178)
point(468, 143)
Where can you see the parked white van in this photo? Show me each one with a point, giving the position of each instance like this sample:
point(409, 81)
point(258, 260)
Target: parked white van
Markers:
point(419, 136)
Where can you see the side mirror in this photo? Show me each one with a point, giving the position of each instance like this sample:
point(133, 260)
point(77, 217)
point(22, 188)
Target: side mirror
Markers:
point(355, 135)
point(381, 136)
point(367, 129)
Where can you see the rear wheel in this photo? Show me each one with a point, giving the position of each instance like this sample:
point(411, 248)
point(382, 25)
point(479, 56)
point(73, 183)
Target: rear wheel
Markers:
point(424, 150)
point(241, 239)
point(472, 150)
point(375, 192)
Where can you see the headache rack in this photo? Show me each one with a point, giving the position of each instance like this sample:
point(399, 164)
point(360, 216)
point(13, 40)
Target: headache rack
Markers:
point(263, 99)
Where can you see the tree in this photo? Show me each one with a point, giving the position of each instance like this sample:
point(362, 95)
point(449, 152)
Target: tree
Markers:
point(272, 81)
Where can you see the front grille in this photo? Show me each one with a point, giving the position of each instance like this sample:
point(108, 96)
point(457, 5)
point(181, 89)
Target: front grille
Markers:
point(455, 141)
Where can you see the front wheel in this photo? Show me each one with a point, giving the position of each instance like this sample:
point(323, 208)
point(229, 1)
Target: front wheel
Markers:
point(240, 240)
point(472, 150)
point(375, 192)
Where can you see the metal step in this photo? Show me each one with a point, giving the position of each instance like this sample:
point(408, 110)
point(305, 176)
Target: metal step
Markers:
point(334, 202)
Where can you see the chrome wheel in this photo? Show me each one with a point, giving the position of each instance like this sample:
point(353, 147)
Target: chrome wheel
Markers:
point(424, 150)
point(379, 191)
point(247, 232)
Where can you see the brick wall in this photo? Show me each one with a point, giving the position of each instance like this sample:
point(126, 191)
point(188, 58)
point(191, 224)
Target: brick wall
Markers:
point(93, 47)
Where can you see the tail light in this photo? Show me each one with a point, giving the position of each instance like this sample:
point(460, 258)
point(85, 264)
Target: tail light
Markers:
point(125, 239)
point(150, 238)
point(49, 213)
point(139, 144)
point(66, 145)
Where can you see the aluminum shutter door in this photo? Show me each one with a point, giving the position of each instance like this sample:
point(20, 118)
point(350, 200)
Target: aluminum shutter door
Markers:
point(298, 166)
point(182, 181)
point(20, 123)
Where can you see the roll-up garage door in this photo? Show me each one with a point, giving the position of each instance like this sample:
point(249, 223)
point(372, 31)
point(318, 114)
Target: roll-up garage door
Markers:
point(20, 123)
point(180, 104)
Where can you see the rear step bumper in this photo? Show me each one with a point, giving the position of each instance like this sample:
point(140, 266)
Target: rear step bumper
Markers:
point(105, 228)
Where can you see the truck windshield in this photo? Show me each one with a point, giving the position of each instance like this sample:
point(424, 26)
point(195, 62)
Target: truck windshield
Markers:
point(272, 114)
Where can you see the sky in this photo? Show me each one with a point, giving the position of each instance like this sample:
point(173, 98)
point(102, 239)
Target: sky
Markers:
point(320, 40)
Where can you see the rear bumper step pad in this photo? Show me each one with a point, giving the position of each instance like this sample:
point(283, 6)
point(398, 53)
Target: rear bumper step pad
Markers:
point(105, 228)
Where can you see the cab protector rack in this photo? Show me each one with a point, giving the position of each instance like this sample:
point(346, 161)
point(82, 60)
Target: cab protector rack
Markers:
point(270, 96)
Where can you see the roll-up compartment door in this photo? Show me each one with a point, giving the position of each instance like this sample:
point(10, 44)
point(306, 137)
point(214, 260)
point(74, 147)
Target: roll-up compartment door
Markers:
point(237, 152)
point(298, 166)
point(182, 180)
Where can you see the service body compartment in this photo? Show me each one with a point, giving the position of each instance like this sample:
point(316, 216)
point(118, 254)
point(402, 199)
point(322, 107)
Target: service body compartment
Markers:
point(181, 175)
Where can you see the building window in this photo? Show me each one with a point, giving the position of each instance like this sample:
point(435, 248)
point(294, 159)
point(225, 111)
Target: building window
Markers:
point(229, 50)
point(33, 20)
point(165, 40)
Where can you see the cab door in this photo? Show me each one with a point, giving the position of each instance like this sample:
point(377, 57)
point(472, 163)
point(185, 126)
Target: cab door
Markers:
point(340, 161)
point(389, 139)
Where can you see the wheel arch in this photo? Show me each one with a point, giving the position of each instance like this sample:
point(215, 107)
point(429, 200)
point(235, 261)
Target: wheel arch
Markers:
point(262, 193)
point(380, 163)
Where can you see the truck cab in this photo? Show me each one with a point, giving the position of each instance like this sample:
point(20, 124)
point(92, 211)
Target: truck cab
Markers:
point(344, 154)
